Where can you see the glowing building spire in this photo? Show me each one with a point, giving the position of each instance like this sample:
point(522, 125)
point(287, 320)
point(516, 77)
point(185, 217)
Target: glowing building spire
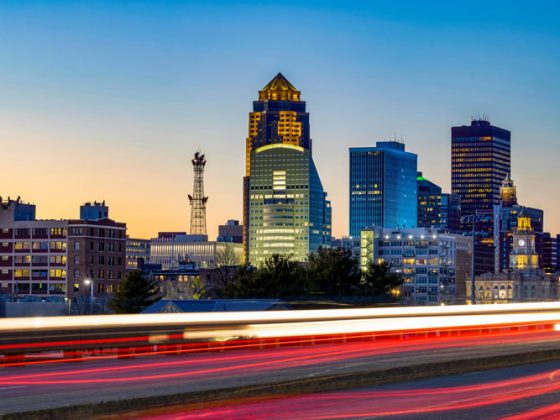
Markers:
point(198, 200)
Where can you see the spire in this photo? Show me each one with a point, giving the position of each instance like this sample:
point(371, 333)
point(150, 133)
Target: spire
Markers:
point(279, 89)
point(508, 193)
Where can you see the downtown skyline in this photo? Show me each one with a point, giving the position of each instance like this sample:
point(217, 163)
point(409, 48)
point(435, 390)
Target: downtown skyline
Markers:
point(97, 127)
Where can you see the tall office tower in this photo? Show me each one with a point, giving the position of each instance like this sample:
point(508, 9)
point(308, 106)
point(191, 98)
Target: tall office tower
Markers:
point(382, 187)
point(285, 210)
point(437, 209)
point(480, 161)
point(197, 200)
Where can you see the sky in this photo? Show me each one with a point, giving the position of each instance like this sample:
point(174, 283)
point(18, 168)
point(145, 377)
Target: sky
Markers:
point(106, 100)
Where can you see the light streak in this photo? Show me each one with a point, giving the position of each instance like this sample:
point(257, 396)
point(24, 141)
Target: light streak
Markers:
point(383, 403)
point(45, 323)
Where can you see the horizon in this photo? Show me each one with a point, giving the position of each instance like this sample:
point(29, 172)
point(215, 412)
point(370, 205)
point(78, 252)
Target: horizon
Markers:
point(116, 115)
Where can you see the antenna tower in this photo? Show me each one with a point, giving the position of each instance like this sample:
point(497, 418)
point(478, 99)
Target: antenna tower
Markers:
point(197, 200)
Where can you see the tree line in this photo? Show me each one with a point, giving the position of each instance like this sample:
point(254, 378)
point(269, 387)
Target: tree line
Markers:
point(330, 273)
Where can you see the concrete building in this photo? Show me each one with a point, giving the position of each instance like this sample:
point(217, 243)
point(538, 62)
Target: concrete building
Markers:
point(434, 264)
point(524, 281)
point(137, 253)
point(232, 231)
point(55, 257)
point(347, 242)
point(382, 187)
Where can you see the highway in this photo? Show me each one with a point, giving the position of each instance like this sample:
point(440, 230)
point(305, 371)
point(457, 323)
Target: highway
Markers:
point(520, 393)
point(61, 384)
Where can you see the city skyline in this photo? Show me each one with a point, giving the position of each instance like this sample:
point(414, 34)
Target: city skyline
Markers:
point(78, 130)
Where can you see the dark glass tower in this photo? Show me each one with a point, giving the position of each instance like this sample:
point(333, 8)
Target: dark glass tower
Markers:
point(435, 208)
point(382, 187)
point(480, 161)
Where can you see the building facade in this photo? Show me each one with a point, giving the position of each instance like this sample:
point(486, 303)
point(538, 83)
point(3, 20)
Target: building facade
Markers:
point(170, 250)
point(434, 265)
point(480, 161)
point(524, 281)
point(279, 117)
point(437, 209)
point(382, 187)
point(137, 253)
point(285, 210)
point(347, 242)
point(55, 257)
point(232, 231)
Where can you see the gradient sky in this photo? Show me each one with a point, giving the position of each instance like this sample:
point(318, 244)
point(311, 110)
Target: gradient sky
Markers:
point(109, 101)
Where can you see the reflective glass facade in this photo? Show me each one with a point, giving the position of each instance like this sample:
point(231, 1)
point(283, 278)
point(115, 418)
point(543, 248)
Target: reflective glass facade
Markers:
point(289, 213)
point(285, 208)
point(382, 187)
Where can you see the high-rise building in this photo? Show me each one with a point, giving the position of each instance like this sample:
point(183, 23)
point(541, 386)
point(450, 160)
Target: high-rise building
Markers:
point(437, 209)
point(285, 210)
point(480, 161)
point(382, 187)
point(198, 200)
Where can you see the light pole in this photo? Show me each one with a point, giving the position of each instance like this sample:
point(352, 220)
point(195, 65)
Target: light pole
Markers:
point(69, 302)
point(89, 282)
point(474, 218)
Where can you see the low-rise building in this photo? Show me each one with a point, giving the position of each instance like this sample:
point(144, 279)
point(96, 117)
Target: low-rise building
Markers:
point(434, 264)
point(524, 281)
point(56, 257)
point(169, 250)
point(137, 253)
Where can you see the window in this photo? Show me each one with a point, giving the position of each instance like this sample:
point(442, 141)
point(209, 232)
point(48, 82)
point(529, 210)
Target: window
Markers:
point(76, 259)
point(76, 245)
point(76, 274)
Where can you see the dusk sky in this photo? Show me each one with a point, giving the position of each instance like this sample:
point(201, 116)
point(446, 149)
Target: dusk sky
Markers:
point(109, 102)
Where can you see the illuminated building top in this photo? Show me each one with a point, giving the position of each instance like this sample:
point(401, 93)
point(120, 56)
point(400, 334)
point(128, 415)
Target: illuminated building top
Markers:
point(279, 89)
point(508, 193)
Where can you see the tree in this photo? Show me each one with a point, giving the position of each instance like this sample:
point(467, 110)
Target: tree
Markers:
point(134, 293)
point(227, 264)
point(378, 280)
point(334, 271)
point(278, 277)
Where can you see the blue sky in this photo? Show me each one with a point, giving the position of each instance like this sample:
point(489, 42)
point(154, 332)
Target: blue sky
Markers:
point(108, 100)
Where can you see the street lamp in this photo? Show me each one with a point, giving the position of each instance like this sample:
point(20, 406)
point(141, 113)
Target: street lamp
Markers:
point(69, 302)
point(89, 282)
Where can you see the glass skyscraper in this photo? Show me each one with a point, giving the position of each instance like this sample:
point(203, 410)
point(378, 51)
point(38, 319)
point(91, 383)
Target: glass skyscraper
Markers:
point(382, 187)
point(480, 161)
point(285, 207)
point(437, 209)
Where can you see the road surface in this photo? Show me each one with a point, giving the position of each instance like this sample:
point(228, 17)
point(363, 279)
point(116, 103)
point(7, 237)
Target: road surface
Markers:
point(66, 384)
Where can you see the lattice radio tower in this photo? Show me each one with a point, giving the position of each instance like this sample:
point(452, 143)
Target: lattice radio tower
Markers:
point(197, 200)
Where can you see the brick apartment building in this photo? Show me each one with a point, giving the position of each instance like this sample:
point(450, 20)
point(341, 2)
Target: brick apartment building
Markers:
point(55, 257)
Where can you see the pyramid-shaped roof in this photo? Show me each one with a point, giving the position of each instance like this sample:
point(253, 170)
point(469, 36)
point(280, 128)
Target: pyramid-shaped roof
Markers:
point(279, 89)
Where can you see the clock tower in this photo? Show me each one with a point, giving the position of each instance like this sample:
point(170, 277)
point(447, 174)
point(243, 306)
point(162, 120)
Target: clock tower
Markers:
point(523, 257)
